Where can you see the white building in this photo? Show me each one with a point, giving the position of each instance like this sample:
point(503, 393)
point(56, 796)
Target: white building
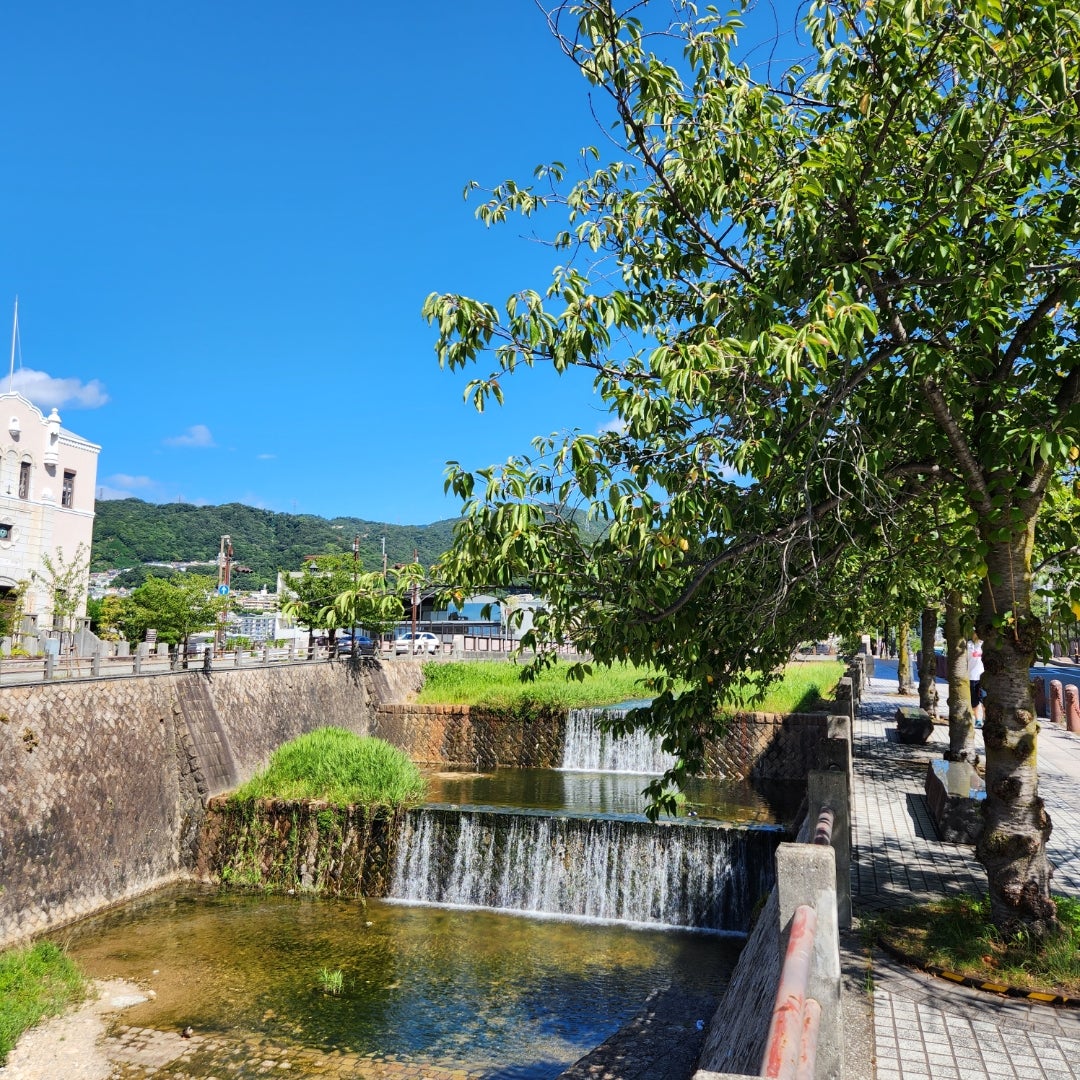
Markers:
point(47, 478)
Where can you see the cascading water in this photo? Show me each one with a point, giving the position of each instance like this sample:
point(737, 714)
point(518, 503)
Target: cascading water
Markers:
point(689, 875)
point(588, 749)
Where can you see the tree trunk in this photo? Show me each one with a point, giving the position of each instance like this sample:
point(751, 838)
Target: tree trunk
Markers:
point(903, 658)
point(1013, 842)
point(928, 697)
point(961, 725)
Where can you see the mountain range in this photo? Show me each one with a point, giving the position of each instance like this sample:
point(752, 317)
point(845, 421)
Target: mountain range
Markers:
point(130, 532)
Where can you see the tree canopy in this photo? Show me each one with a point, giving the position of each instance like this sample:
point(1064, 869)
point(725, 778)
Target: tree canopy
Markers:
point(819, 301)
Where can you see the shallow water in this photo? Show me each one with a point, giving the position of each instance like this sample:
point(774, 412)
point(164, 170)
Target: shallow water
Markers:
point(471, 990)
point(611, 793)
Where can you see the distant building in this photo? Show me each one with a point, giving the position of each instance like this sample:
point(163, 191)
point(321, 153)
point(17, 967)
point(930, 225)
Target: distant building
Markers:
point(47, 479)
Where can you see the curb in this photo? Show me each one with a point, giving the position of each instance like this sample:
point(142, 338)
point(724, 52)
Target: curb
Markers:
point(1039, 997)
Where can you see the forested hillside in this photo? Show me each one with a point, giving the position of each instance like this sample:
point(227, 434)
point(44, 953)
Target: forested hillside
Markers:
point(129, 532)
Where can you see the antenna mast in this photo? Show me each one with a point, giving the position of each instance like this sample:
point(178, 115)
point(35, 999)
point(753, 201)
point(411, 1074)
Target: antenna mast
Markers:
point(14, 333)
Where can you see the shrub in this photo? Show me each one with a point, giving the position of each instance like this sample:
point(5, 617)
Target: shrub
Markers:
point(344, 769)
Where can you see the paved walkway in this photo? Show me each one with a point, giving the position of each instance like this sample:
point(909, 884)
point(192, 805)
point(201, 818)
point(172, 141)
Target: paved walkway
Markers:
point(927, 1028)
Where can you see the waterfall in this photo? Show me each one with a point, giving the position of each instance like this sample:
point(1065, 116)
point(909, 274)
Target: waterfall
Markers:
point(588, 749)
point(687, 875)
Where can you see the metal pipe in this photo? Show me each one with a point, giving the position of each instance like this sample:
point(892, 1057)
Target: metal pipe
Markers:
point(785, 1031)
point(823, 831)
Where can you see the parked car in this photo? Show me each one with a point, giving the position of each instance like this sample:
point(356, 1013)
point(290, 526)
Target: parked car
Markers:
point(364, 645)
point(423, 641)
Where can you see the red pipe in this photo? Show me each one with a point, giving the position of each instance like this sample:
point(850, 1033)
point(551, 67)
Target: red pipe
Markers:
point(786, 1030)
point(808, 1047)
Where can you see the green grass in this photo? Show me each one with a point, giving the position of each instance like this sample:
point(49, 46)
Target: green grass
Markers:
point(339, 767)
point(497, 684)
point(803, 688)
point(957, 935)
point(35, 982)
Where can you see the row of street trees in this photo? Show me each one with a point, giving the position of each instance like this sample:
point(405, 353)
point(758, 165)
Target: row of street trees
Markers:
point(833, 308)
point(330, 592)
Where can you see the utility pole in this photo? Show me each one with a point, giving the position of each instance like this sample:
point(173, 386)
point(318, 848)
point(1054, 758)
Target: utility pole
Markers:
point(225, 556)
point(355, 576)
point(384, 558)
point(415, 600)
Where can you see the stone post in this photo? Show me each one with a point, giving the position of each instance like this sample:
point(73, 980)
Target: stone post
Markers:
point(207, 660)
point(50, 665)
point(829, 787)
point(1057, 705)
point(1038, 687)
point(136, 662)
point(95, 664)
point(1072, 708)
point(806, 874)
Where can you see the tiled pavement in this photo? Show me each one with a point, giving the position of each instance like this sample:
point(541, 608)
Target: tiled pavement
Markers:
point(927, 1028)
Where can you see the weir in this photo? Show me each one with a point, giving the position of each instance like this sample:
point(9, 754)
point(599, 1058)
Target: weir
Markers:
point(694, 875)
point(588, 749)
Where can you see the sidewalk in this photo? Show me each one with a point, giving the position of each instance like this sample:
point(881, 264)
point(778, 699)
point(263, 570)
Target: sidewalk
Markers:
point(927, 1028)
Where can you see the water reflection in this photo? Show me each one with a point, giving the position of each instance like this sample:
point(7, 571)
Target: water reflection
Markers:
point(611, 793)
point(461, 989)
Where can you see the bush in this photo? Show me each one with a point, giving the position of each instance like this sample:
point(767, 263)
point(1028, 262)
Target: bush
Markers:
point(343, 769)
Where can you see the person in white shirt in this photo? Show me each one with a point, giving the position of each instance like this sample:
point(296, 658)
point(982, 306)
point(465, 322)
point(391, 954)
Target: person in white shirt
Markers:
point(975, 674)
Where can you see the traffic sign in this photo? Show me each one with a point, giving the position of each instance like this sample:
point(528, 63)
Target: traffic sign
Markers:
point(223, 590)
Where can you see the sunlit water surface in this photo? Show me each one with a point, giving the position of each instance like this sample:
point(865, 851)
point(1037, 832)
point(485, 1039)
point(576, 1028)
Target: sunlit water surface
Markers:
point(612, 793)
point(459, 989)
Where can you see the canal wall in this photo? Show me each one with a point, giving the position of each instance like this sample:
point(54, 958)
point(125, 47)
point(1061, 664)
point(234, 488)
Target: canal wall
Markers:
point(104, 782)
point(755, 746)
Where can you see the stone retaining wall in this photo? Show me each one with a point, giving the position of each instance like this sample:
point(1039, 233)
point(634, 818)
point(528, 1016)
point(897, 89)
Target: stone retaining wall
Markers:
point(464, 735)
point(103, 783)
point(759, 746)
point(299, 847)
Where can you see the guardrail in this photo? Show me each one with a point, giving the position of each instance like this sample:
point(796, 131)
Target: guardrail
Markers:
point(51, 667)
point(808, 994)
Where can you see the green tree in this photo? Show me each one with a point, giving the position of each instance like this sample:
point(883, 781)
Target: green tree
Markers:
point(813, 299)
point(65, 580)
point(177, 608)
point(311, 591)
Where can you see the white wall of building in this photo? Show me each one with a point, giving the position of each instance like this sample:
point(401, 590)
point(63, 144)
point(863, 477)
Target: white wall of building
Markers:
point(47, 483)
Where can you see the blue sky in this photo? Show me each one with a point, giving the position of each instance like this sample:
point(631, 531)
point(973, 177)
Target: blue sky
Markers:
point(221, 221)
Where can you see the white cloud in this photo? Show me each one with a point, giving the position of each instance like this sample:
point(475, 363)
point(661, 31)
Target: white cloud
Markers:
point(265, 457)
point(123, 480)
point(616, 424)
point(47, 392)
point(196, 435)
point(104, 491)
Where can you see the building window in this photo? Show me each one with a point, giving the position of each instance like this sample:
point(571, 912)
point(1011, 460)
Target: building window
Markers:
point(24, 480)
point(67, 495)
point(5, 531)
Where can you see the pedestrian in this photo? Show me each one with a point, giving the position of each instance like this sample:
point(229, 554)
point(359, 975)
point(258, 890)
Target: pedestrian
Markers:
point(975, 674)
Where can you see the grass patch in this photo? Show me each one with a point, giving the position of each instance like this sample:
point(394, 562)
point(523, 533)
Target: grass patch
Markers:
point(804, 687)
point(956, 934)
point(339, 767)
point(497, 684)
point(35, 982)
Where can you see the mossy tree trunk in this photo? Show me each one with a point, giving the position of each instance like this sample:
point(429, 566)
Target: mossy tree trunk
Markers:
point(1013, 842)
point(928, 696)
point(961, 722)
point(903, 658)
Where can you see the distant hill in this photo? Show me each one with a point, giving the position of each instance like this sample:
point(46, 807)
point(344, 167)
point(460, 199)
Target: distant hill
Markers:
point(130, 532)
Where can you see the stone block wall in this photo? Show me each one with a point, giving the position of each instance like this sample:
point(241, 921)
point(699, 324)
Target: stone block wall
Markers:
point(464, 735)
point(299, 847)
point(764, 746)
point(103, 783)
point(758, 746)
